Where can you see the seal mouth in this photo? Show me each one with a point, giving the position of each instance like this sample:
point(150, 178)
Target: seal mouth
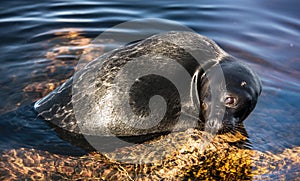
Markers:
point(217, 126)
point(230, 126)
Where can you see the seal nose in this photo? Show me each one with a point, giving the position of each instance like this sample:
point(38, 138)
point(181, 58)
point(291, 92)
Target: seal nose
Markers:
point(220, 120)
point(214, 121)
point(213, 125)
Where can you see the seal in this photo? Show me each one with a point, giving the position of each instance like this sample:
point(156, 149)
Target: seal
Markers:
point(167, 82)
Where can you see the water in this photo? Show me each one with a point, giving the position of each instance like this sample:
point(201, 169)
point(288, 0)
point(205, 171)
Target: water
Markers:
point(41, 43)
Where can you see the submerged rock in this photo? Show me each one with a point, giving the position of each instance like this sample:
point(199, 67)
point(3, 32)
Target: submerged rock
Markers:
point(220, 160)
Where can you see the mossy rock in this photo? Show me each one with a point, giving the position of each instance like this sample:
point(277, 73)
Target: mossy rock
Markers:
point(218, 160)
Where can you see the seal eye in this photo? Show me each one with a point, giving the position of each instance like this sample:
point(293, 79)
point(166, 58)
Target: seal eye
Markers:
point(230, 101)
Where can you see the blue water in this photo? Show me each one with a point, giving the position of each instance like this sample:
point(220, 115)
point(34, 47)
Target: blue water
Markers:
point(265, 34)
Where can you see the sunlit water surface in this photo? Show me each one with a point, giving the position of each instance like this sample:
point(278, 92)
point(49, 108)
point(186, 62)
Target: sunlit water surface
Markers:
point(41, 43)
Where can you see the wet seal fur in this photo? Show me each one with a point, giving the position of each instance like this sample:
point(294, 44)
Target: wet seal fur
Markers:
point(243, 88)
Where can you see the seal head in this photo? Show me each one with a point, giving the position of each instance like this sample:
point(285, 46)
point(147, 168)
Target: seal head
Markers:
point(237, 100)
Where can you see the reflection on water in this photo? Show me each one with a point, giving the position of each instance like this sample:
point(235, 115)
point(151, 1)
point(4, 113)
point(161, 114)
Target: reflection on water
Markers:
point(41, 43)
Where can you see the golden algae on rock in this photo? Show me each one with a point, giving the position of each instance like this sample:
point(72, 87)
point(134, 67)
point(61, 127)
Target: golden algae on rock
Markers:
point(218, 161)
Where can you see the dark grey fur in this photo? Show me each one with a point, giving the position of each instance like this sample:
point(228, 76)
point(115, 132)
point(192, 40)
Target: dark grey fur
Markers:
point(195, 53)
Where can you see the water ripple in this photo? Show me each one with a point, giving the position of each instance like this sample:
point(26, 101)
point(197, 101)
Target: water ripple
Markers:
point(42, 41)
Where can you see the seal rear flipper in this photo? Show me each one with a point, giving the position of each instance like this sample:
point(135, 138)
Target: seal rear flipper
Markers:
point(57, 107)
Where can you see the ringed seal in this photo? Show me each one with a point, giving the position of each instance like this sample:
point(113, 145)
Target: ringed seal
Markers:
point(94, 92)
